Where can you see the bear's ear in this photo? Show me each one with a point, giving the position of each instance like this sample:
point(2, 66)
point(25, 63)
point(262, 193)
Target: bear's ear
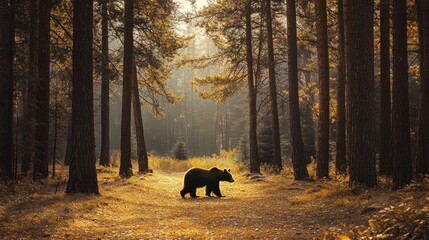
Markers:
point(229, 170)
point(224, 170)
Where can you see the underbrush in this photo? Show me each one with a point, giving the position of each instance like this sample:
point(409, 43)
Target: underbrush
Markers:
point(405, 221)
point(224, 160)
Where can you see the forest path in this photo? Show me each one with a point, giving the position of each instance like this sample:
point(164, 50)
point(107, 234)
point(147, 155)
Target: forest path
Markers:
point(150, 207)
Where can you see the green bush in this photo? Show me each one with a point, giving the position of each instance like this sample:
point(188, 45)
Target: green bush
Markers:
point(179, 151)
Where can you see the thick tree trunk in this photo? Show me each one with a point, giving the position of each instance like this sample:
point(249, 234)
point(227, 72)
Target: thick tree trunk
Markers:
point(253, 142)
point(422, 166)
point(277, 158)
point(28, 149)
point(82, 172)
point(402, 168)
point(298, 157)
point(105, 78)
point(138, 121)
point(41, 134)
point(322, 169)
point(6, 87)
point(362, 138)
point(386, 163)
point(340, 160)
point(125, 169)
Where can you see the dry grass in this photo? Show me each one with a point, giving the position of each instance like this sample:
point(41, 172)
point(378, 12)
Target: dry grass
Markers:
point(150, 207)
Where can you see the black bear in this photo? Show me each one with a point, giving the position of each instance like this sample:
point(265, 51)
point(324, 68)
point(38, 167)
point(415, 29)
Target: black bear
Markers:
point(198, 177)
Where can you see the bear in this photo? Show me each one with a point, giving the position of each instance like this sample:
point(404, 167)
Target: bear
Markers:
point(198, 178)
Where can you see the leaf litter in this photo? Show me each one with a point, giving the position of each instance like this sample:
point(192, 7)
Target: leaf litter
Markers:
point(150, 207)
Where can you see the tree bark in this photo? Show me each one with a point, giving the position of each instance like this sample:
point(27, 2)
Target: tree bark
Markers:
point(105, 78)
point(322, 169)
point(362, 138)
point(386, 163)
point(138, 121)
point(298, 157)
point(41, 134)
point(82, 172)
point(277, 158)
point(28, 149)
point(340, 160)
point(422, 166)
point(125, 169)
point(402, 170)
point(7, 41)
point(253, 141)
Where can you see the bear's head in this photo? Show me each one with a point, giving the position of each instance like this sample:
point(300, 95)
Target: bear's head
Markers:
point(226, 176)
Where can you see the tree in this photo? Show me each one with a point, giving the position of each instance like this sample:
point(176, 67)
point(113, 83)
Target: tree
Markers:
point(402, 170)
point(82, 172)
point(298, 157)
point(7, 39)
point(360, 26)
point(141, 143)
point(340, 160)
point(386, 163)
point(322, 169)
point(422, 166)
point(273, 90)
point(105, 79)
point(41, 134)
point(30, 90)
point(253, 141)
point(179, 151)
point(125, 169)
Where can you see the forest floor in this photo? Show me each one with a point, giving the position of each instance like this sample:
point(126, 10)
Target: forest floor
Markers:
point(150, 207)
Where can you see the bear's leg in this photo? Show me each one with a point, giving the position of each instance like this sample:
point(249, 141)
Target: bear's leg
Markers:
point(216, 191)
point(184, 192)
point(193, 192)
point(209, 190)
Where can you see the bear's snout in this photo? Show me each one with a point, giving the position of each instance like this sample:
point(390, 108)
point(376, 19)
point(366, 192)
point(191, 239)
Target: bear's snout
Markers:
point(231, 180)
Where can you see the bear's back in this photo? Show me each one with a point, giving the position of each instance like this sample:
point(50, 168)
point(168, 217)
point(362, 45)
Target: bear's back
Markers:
point(199, 177)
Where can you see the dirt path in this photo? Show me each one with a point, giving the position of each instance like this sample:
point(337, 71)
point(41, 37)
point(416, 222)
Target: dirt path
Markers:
point(150, 207)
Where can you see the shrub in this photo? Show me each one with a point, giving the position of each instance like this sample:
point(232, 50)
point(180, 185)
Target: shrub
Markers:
point(179, 151)
point(395, 222)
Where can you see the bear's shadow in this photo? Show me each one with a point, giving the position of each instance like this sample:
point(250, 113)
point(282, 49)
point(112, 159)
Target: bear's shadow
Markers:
point(209, 199)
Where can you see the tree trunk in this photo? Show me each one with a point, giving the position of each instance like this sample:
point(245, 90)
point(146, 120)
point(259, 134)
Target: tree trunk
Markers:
point(422, 166)
point(82, 172)
point(386, 163)
point(298, 157)
point(340, 161)
point(362, 138)
point(6, 87)
point(322, 169)
point(277, 158)
point(253, 142)
point(347, 51)
point(125, 169)
point(402, 170)
point(28, 149)
point(41, 134)
point(68, 156)
point(138, 121)
point(54, 154)
point(105, 78)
